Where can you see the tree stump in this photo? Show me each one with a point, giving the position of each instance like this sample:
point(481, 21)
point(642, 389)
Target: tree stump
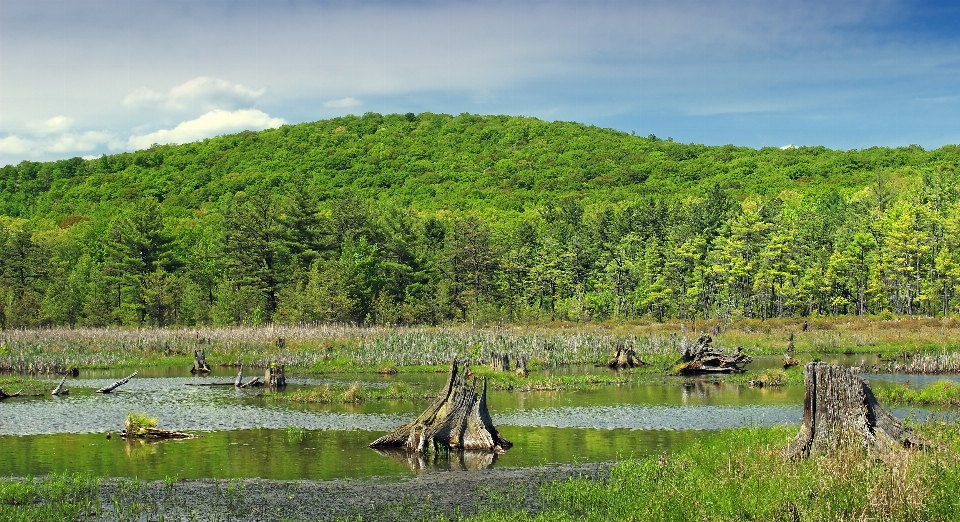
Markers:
point(521, 361)
point(499, 362)
point(274, 376)
point(200, 362)
point(457, 420)
point(839, 408)
point(702, 357)
point(624, 358)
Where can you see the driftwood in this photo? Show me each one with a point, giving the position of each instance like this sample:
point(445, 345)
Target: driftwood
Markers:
point(200, 362)
point(457, 420)
point(60, 390)
point(114, 386)
point(624, 358)
point(838, 408)
point(702, 357)
point(157, 434)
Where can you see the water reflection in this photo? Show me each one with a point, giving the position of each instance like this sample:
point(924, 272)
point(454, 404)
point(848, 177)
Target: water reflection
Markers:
point(440, 461)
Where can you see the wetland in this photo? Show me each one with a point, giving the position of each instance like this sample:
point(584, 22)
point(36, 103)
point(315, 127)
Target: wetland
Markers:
point(577, 419)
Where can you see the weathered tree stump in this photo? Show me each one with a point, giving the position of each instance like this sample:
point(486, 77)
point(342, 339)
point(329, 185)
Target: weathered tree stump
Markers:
point(521, 361)
point(789, 361)
point(839, 408)
point(274, 376)
point(457, 420)
point(624, 358)
point(114, 386)
point(702, 357)
point(200, 362)
point(500, 362)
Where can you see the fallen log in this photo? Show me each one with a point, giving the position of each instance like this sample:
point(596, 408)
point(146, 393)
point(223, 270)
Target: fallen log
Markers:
point(5, 395)
point(252, 382)
point(114, 386)
point(156, 433)
point(60, 390)
point(457, 420)
point(703, 358)
point(839, 408)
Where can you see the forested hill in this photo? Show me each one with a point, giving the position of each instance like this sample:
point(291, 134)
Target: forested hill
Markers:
point(435, 218)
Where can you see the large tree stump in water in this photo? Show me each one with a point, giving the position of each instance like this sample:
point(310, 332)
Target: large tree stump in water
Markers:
point(200, 362)
point(840, 408)
point(702, 357)
point(457, 420)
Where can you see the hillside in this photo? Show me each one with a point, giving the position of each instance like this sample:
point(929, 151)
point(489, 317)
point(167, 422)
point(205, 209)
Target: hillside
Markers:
point(434, 218)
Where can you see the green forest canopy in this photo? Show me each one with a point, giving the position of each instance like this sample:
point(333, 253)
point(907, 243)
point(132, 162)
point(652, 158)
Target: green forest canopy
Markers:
point(433, 218)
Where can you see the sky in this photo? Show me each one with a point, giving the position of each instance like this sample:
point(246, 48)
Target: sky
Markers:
point(89, 77)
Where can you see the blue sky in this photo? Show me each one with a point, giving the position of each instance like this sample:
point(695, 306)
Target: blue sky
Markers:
point(87, 77)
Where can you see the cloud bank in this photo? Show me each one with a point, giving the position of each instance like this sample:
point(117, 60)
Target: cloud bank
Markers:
point(213, 123)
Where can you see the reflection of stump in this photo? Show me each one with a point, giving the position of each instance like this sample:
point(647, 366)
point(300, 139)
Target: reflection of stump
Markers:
point(457, 419)
point(839, 407)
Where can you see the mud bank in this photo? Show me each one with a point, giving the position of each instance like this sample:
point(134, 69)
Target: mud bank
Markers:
point(425, 496)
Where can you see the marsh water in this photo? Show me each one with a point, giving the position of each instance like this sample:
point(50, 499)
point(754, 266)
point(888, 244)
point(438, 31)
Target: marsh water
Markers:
point(249, 433)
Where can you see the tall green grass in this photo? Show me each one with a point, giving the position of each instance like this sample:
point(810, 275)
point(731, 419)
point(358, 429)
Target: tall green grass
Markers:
point(52, 498)
point(743, 475)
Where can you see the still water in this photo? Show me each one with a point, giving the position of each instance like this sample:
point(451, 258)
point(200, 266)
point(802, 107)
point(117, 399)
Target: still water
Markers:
point(247, 433)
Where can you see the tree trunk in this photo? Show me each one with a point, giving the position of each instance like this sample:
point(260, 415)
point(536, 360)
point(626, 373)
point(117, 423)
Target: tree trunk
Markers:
point(457, 420)
point(839, 407)
point(702, 357)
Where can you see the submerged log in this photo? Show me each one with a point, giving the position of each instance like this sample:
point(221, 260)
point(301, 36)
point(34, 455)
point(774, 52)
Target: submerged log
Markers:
point(155, 433)
point(624, 358)
point(5, 395)
point(60, 390)
point(457, 420)
point(839, 408)
point(703, 358)
point(114, 386)
point(200, 362)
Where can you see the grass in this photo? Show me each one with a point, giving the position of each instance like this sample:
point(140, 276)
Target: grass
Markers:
point(29, 385)
point(53, 498)
point(939, 393)
point(743, 474)
point(138, 423)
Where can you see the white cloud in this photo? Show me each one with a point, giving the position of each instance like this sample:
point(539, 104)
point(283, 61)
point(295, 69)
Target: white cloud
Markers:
point(202, 93)
point(51, 126)
point(16, 146)
point(343, 103)
point(212, 123)
point(65, 143)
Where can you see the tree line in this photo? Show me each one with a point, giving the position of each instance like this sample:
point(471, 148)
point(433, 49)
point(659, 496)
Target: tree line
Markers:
point(607, 228)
